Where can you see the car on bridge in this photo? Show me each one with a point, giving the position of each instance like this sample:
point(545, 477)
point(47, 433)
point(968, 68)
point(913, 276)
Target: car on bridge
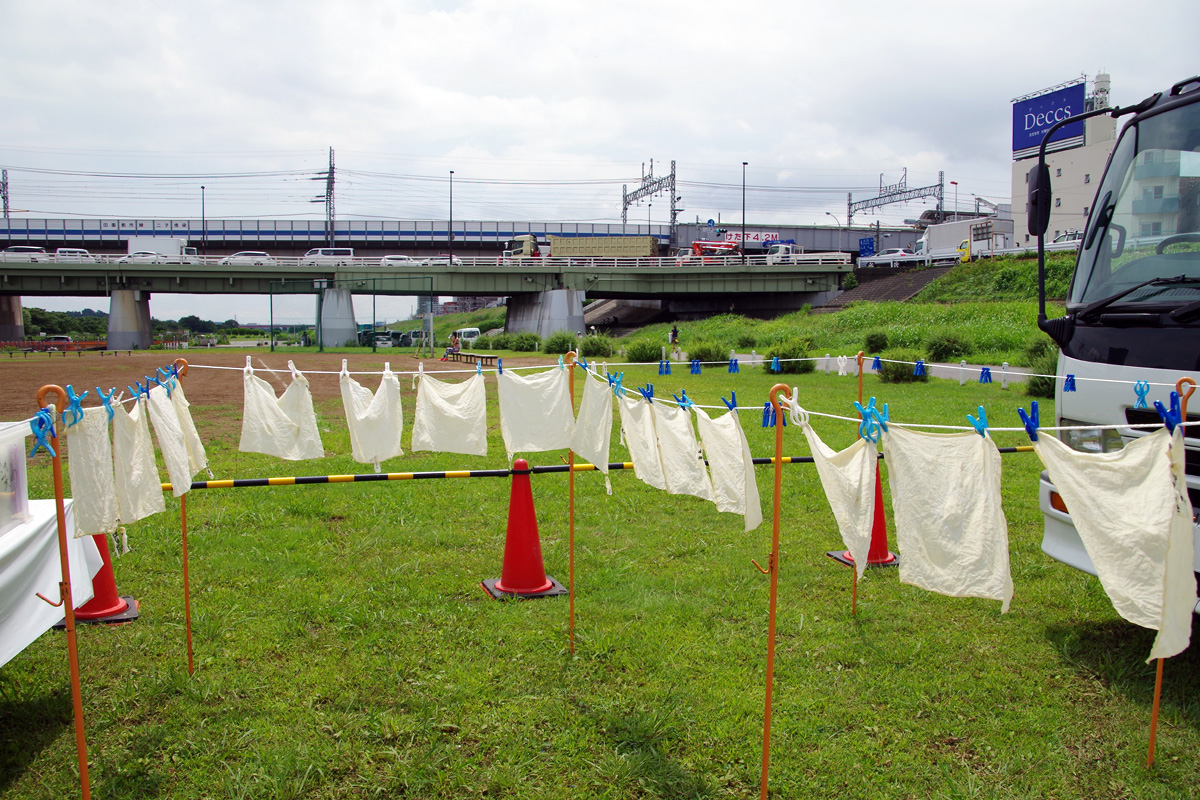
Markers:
point(248, 258)
point(73, 255)
point(442, 260)
point(328, 257)
point(21, 252)
point(399, 261)
point(140, 257)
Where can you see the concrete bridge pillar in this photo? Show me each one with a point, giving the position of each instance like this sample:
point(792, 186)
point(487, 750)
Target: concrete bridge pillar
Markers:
point(129, 320)
point(546, 312)
point(335, 318)
point(12, 323)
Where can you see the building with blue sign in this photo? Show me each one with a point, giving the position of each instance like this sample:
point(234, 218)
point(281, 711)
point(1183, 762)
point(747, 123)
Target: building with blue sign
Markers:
point(1076, 155)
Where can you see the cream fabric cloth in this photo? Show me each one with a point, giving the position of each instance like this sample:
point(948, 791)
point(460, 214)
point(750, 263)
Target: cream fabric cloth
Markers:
point(284, 427)
point(451, 417)
point(682, 462)
point(170, 440)
point(90, 467)
point(1132, 512)
point(593, 427)
point(950, 528)
point(637, 431)
point(848, 478)
point(375, 419)
point(197, 458)
point(535, 410)
point(731, 466)
point(139, 490)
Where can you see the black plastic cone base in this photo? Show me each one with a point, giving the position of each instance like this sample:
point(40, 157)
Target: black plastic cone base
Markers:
point(555, 590)
point(843, 557)
point(128, 615)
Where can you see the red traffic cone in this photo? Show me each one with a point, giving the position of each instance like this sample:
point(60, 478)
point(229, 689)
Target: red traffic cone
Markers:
point(878, 555)
point(523, 574)
point(106, 605)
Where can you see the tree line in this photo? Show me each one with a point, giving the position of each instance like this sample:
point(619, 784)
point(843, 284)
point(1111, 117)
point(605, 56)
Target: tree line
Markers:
point(92, 324)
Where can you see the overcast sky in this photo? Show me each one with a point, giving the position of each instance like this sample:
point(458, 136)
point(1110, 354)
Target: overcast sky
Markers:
point(543, 108)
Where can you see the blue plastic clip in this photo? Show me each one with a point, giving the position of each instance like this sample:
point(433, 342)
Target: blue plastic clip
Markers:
point(499, 366)
point(615, 382)
point(478, 367)
point(731, 404)
point(733, 366)
point(695, 366)
point(775, 364)
point(868, 428)
point(165, 380)
point(1069, 383)
point(769, 416)
point(684, 401)
point(877, 364)
point(919, 368)
point(561, 365)
point(980, 424)
point(1170, 416)
point(107, 400)
point(42, 424)
point(1030, 420)
point(583, 363)
point(881, 415)
point(1141, 389)
point(664, 367)
point(74, 407)
point(648, 392)
point(985, 375)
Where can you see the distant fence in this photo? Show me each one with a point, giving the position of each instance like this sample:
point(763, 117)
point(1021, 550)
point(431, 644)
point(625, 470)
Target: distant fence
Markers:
point(40, 345)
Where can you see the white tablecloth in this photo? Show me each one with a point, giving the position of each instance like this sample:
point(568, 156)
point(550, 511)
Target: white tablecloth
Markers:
point(29, 564)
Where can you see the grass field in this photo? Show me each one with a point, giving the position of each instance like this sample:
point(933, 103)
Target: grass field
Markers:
point(345, 649)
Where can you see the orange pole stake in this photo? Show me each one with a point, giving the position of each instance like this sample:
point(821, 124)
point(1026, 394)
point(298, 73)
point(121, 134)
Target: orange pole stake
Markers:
point(64, 589)
point(854, 570)
point(570, 358)
point(773, 571)
point(187, 592)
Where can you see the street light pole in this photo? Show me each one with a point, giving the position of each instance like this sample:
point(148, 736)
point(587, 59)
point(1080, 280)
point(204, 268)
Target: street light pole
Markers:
point(955, 185)
point(839, 224)
point(450, 261)
point(203, 226)
point(744, 163)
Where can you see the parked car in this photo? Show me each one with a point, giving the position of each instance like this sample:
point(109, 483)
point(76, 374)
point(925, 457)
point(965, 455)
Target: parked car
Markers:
point(383, 340)
point(410, 338)
point(442, 260)
point(22, 252)
point(328, 257)
point(248, 258)
point(73, 255)
point(467, 336)
point(398, 261)
point(1068, 236)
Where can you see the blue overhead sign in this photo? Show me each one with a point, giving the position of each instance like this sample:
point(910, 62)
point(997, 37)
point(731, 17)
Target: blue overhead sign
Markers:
point(712, 223)
point(866, 247)
point(1034, 116)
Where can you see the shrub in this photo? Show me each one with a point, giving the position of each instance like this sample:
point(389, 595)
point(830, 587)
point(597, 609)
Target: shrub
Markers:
point(900, 373)
point(560, 342)
point(745, 340)
point(643, 351)
point(483, 343)
point(502, 341)
point(947, 345)
point(1046, 363)
point(525, 342)
point(876, 342)
point(598, 344)
point(1038, 347)
point(791, 349)
point(708, 351)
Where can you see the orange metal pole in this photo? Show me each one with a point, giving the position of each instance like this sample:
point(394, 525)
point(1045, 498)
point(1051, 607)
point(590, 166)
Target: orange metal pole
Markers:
point(773, 570)
point(64, 590)
point(570, 359)
point(854, 570)
point(187, 592)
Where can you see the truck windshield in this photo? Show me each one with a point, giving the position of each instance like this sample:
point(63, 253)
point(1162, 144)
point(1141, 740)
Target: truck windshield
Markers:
point(1146, 223)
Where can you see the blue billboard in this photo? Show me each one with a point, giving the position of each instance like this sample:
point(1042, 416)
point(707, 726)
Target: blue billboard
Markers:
point(1033, 116)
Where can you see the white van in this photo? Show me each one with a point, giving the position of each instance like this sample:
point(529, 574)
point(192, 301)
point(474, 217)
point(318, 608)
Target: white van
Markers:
point(466, 336)
point(328, 257)
point(73, 255)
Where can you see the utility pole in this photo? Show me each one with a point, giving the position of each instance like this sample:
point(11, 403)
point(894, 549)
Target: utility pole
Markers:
point(649, 187)
point(4, 191)
point(329, 214)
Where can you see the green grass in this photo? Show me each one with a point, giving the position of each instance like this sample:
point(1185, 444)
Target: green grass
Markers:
point(345, 649)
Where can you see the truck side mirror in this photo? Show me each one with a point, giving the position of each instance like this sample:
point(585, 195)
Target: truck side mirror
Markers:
point(1039, 200)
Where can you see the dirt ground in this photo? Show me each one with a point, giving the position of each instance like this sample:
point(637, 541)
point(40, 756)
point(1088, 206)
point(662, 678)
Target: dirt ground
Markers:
point(21, 375)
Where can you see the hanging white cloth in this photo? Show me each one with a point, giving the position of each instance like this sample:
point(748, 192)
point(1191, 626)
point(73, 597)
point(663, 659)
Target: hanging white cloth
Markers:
point(139, 490)
point(284, 427)
point(682, 462)
point(848, 478)
point(170, 440)
point(637, 430)
point(197, 458)
point(1132, 512)
point(535, 411)
point(451, 417)
point(593, 426)
point(90, 467)
point(375, 419)
point(950, 527)
point(731, 466)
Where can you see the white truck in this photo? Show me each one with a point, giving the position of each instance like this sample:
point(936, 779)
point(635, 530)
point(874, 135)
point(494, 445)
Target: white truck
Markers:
point(161, 250)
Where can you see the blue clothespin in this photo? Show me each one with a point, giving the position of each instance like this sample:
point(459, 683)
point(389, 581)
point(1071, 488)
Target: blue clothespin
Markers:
point(775, 364)
point(1170, 416)
point(666, 368)
point(74, 407)
point(165, 379)
point(733, 365)
point(561, 365)
point(731, 404)
point(1141, 389)
point(41, 425)
point(768, 415)
point(499, 366)
point(877, 364)
point(583, 363)
point(615, 382)
point(1030, 420)
point(174, 369)
point(107, 400)
point(478, 367)
point(1069, 383)
point(695, 366)
point(881, 415)
point(684, 401)
point(647, 392)
point(980, 424)
point(919, 368)
point(985, 375)
point(868, 428)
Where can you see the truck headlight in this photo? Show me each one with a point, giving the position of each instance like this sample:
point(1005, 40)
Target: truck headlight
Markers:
point(1090, 441)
